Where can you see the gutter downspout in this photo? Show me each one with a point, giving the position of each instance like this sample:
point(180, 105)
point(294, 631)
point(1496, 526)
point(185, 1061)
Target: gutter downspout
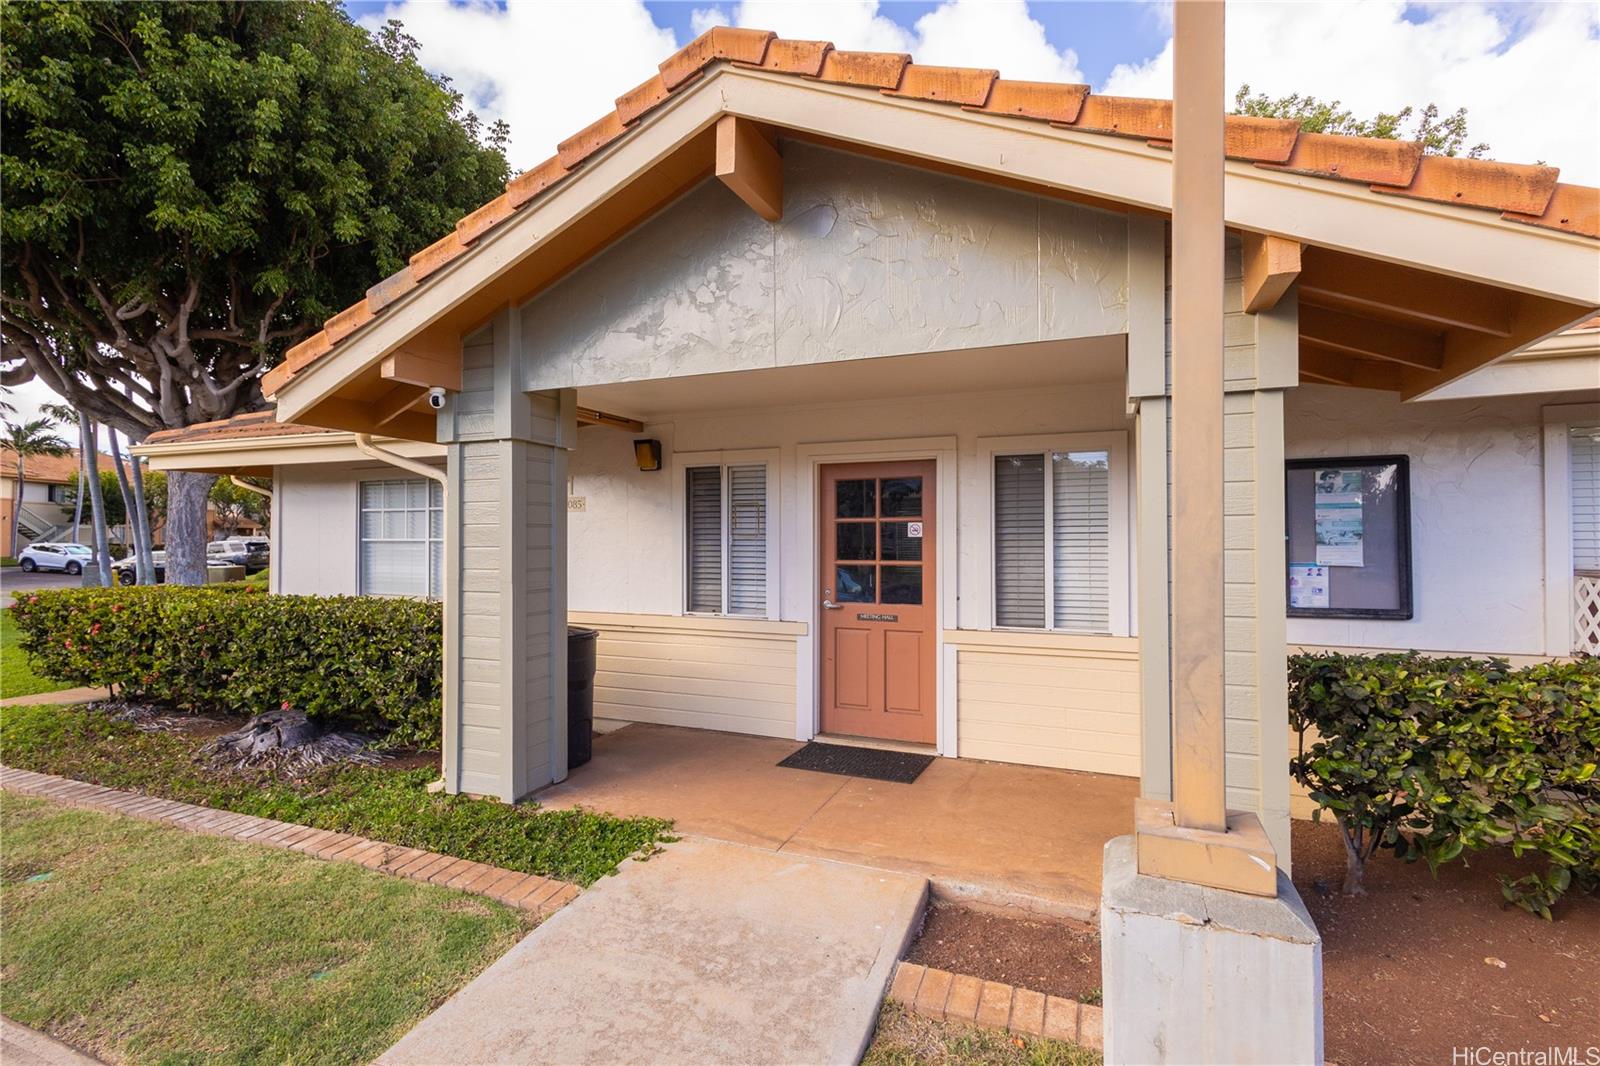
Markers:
point(241, 483)
point(366, 447)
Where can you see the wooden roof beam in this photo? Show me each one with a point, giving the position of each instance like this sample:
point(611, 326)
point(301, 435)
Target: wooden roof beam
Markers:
point(1271, 265)
point(588, 416)
point(1353, 283)
point(748, 164)
point(1332, 367)
point(413, 367)
point(396, 402)
point(1371, 338)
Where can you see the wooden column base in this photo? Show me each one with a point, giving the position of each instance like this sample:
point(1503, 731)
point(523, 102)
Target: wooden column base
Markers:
point(1241, 859)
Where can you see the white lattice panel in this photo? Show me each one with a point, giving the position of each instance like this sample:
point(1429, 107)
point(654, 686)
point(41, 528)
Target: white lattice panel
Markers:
point(1586, 614)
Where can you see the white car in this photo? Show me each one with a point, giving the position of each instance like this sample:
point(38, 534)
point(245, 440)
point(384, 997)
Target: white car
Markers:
point(71, 558)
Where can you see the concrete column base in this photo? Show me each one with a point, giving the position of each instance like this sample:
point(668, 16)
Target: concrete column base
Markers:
point(1200, 975)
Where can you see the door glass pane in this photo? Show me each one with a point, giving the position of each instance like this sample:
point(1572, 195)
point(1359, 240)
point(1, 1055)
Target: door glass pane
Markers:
point(899, 541)
point(902, 584)
point(902, 497)
point(855, 584)
point(854, 540)
point(853, 499)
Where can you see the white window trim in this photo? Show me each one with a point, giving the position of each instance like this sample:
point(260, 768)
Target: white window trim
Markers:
point(681, 462)
point(1119, 567)
point(1558, 422)
point(377, 476)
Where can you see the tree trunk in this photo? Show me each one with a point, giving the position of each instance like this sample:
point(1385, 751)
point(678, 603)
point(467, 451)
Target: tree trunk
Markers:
point(186, 526)
point(97, 504)
point(83, 481)
point(141, 520)
point(129, 520)
point(16, 508)
point(1354, 860)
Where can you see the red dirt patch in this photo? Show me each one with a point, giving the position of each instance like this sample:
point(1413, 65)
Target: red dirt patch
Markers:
point(1057, 957)
point(1405, 979)
point(1404, 976)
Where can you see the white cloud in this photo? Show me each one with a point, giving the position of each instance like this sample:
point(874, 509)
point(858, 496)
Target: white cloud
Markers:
point(1529, 78)
point(962, 33)
point(547, 68)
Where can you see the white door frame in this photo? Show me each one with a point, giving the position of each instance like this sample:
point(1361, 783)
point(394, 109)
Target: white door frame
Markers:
point(809, 459)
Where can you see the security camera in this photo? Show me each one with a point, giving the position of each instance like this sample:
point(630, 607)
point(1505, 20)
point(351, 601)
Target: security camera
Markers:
point(436, 398)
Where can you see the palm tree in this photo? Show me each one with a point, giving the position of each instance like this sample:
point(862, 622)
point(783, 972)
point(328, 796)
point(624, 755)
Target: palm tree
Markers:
point(29, 440)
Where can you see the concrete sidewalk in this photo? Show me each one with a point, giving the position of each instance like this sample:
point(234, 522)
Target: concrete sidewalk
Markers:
point(707, 953)
point(21, 1046)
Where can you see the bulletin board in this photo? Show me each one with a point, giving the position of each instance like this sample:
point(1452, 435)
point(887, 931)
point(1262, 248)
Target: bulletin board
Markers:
point(1348, 526)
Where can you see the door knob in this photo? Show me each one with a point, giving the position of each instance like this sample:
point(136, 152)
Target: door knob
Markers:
point(829, 605)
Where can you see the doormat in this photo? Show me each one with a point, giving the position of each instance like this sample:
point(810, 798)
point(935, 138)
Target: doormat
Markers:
point(900, 767)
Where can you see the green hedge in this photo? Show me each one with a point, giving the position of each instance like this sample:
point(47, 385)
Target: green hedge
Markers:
point(358, 661)
point(1435, 757)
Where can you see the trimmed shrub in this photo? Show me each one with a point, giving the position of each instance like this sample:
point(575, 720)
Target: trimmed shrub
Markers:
point(1435, 757)
point(366, 663)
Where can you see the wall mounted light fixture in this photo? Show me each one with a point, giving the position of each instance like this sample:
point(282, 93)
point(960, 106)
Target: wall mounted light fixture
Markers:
point(648, 454)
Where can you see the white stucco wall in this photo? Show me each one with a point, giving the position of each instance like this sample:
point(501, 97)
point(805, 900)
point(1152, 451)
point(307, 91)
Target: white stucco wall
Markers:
point(624, 542)
point(1477, 515)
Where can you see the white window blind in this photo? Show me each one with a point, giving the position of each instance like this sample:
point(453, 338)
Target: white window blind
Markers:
point(1585, 461)
point(402, 537)
point(1053, 541)
point(727, 539)
point(1019, 540)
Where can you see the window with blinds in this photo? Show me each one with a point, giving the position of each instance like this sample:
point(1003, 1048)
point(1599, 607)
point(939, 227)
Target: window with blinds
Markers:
point(402, 538)
point(1052, 541)
point(726, 541)
point(1585, 463)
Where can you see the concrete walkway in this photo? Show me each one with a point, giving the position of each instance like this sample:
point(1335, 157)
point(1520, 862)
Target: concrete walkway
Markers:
point(706, 953)
point(60, 696)
point(21, 1046)
point(1025, 837)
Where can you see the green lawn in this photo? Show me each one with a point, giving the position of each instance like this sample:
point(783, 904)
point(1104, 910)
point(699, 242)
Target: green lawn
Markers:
point(146, 944)
point(906, 1039)
point(383, 804)
point(16, 673)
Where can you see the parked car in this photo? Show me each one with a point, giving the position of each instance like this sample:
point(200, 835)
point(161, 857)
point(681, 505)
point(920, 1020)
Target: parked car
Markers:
point(71, 558)
point(125, 572)
point(252, 553)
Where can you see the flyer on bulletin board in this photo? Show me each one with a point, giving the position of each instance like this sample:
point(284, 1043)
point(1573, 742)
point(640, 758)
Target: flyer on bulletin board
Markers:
point(1308, 585)
point(1340, 528)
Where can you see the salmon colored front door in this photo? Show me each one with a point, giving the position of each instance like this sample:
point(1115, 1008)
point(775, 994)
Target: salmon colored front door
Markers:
point(878, 607)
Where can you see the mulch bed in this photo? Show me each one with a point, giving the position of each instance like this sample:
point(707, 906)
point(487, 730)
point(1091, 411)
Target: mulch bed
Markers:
point(1404, 973)
point(1411, 970)
point(1056, 957)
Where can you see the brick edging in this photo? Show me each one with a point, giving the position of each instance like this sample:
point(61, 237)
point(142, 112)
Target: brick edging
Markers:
point(529, 892)
point(958, 997)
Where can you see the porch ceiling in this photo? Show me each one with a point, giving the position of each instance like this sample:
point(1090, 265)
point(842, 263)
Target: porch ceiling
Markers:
point(1014, 366)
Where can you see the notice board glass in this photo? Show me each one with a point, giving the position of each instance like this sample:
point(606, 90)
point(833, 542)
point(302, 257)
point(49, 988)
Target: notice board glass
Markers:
point(1348, 524)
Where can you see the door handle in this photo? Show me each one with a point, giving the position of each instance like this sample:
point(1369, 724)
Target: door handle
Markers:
point(829, 605)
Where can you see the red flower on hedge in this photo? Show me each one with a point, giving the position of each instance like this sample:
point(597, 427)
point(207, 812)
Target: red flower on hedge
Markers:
point(94, 629)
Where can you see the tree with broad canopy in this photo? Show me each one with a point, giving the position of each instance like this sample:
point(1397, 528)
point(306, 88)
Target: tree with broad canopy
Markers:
point(192, 188)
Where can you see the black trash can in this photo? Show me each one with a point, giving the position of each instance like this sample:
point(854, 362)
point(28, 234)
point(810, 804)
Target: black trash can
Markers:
point(580, 694)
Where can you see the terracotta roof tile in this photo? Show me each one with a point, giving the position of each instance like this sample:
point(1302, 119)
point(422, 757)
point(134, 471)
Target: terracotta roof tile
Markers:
point(1260, 140)
point(1572, 209)
point(1046, 100)
point(1527, 194)
point(391, 289)
point(793, 57)
point(721, 42)
point(1481, 183)
point(872, 70)
point(641, 98)
point(46, 469)
point(437, 254)
point(1127, 116)
point(479, 222)
point(347, 321)
point(589, 140)
point(1366, 159)
point(534, 180)
point(253, 424)
point(946, 85)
